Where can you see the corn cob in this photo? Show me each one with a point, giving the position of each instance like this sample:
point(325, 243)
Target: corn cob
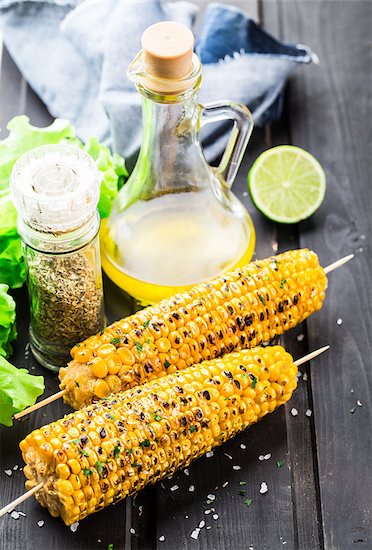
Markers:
point(113, 448)
point(237, 310)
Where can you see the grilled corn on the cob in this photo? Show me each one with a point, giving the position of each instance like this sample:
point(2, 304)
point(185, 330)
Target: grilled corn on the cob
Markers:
point(237, 310)
point(113, 448)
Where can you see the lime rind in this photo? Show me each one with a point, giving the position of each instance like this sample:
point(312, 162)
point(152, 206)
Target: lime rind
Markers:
point(305, 189)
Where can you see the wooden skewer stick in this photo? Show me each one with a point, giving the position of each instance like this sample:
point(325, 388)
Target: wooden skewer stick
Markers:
point(339, 263)
point(22, 498)
point(310, 356)
point(56, 396)
point(37, 488)
point(40, 404)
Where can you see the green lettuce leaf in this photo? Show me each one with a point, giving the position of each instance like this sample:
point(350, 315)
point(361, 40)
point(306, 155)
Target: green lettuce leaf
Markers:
point(8, 215)
point(12, 267)
point(113, 172)
point(18, 390)
point(8, 331)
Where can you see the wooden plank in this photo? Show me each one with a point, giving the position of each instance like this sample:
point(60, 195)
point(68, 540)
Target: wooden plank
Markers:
point(301, 437)
point(330, 109)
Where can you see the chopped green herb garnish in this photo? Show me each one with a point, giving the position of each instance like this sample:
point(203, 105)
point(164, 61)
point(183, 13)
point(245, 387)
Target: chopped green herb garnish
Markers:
point(146, 323)
point(242, 483)
point(75, 441)
point(241, 493)
point(116, 451)
point(254, 382)
point(82, 452)
point(115, 341)
point(77, 383)
point(192, 429)
point(88, 471)
point(280, 463)
point(99, 466)
point(129, 451)
point(148, 341)
point(262, 299)
point(248, 501)
point(102, 332)
point(157, 417)
point(135, 464)
point(166, 364)
point(110, 546)
point(352, 410)
point(282, 282)
point(145, 443)
point(139, 347)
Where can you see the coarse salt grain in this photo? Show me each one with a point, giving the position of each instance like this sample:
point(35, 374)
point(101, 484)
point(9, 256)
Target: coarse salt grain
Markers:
point(300, 337)
point(308, 412)
point(209, 454)
point(201, 524)
point(15, 467)
point(22, 514)
point(304, 377)
point(186, 472)
point(74, 526)
point(339, 322)
point(236, 467)
point(162, 538)
point(133, 531)
point(14, 515)
point(263, 488)
point(359, 403)
point(206, 512)
point(225, 484)
point(211, 497)
point(294, 412)
point(8, 472)
point(261, 457)
point(268, 456)
point(40, 523)
point(215, 516)
point(195, 534)
point(228, 456)
point(242, 446)
point(191, 488)
point(174, 488)
point(209, 527)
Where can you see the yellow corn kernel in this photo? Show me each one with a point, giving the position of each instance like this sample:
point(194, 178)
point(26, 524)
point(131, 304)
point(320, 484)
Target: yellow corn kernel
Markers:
point(98, 367)
point(63, 471)
point(74, 465)
point(101, 389)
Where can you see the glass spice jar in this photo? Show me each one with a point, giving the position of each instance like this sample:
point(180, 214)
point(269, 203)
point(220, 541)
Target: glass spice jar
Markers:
point(56, 190)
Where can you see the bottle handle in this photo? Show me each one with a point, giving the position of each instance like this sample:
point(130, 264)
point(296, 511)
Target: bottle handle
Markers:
point(239, 137)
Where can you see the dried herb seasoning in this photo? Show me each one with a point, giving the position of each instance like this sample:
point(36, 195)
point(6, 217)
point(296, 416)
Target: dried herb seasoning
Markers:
point(66, 296)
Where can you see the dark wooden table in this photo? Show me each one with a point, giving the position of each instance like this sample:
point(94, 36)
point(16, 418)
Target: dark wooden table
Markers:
point(322, 496)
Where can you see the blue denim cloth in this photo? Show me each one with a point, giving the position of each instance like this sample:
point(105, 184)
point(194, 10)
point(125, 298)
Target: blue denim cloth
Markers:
point(75, 54)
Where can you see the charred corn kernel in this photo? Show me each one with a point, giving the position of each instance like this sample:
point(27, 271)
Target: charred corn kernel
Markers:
point(144, 434)
point(98, 367)
point(237, 310)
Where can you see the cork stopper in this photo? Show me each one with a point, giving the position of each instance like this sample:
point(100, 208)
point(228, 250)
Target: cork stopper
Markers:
point(167, 49)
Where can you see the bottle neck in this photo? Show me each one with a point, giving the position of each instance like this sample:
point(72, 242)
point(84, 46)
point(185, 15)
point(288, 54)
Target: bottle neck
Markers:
point(167, 126)
point(59, 243)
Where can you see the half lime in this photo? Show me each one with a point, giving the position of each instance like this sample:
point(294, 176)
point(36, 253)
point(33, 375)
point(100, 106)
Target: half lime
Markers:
point(287, 184)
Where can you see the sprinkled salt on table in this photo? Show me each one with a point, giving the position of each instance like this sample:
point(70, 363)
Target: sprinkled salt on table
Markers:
point(74, 526)
point(40, 523)
point(191, 488)
point(294, 412)
point(308, 412)
point(263, 488)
